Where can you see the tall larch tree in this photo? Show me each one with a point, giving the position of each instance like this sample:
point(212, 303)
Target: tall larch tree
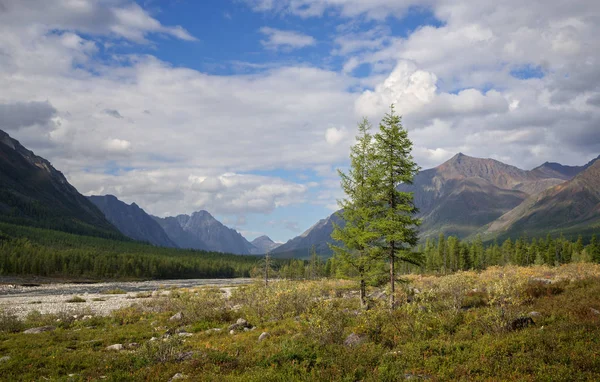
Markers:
point(357, 236)
point(394, 165)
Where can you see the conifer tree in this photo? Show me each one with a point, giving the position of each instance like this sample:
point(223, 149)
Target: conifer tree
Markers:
point(393, 165)
point(358, 212)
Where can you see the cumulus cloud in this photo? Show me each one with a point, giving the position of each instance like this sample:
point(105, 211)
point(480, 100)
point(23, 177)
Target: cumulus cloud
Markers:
point(121, 18)
point(334, 135)
point(452, 84)
point(117, 145)
point(277, 38)
point(14, 116)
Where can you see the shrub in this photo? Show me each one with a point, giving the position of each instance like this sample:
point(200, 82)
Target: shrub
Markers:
point(9, 322)
point(326, 322)
point(537, 289)
point(76, 299)
point(114, 291)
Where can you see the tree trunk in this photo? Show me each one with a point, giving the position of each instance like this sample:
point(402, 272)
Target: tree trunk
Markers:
point(363, 293)
point(392, 275)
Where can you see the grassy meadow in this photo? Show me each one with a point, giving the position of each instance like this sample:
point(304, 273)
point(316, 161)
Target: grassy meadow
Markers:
point(464, 326)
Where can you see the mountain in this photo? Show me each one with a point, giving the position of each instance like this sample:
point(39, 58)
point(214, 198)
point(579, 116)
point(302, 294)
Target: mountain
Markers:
point(32, 192)
point(319, 236)
point(264, 244)
point(465, 193)
point(202, 231)
point(557, 170)
point(178, 235)
point(132, 221)
point(572, 207)
point(456, 198)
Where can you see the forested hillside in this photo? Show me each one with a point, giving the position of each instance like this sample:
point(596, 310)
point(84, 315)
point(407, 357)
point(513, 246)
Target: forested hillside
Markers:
point(41, 252)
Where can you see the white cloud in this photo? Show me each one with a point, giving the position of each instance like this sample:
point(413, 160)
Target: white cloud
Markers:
point(278, 39)
point(193, 137)
point(117, 145)
point(334, 135)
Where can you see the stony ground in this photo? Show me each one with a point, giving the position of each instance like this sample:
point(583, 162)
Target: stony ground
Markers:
point(100, 298)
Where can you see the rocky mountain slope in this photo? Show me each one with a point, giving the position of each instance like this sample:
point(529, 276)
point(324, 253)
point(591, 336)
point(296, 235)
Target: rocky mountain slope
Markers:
point(33, 192)
point(570, 207)
point(132, 221)
point(465, 193)
point(459, 197)
point(264, 244)
point(202, 231)
point(319, 236)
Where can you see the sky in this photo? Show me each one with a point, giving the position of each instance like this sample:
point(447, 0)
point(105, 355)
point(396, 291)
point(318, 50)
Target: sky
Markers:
point(247, 108)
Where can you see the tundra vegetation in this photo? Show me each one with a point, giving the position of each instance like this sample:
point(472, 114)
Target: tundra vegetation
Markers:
point(509, 323)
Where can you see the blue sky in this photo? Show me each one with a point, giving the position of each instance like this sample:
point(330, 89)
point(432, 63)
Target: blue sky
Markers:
point(246, 108)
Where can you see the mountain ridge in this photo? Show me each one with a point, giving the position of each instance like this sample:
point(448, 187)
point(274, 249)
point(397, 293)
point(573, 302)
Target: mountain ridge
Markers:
point(33, 192)
point(132, 220)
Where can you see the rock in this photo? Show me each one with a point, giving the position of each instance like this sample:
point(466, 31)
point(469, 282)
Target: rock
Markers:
point(153, 339)
point(240, 324)
point(41, 329)
point(5, 358)
point(184, 334)
point(133, 345)
point(117, 347)
point(595, 311)
point(354, 340)
point(263, 336)
point(232, 331)
point(521, 323)
point(213, 330)
point(177, 376)
point(86, 317)
point(534, 314)
point(177, 317)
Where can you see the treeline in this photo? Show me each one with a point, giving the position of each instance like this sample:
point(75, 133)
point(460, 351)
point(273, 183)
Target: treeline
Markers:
point(450, 254)
point(41, 252)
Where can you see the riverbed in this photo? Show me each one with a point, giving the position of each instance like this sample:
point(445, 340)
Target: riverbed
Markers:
point(100, 298)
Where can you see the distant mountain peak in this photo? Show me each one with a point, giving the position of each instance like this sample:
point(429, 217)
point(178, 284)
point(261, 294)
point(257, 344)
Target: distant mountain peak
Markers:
point(264, 244)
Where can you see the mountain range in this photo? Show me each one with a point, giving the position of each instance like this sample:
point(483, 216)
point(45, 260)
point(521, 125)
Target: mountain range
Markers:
point(463, 196)
point(468, 196)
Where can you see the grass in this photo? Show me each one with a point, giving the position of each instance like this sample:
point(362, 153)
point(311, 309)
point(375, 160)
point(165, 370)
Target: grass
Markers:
point(457, 327)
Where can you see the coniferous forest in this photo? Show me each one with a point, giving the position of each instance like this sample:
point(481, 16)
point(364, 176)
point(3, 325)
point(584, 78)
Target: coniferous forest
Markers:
point(35, 251)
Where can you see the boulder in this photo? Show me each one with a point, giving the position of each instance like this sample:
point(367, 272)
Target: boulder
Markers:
point(263, 336)
point(240, 324)
point(354, 340)
point(41, 329)
point(177, 317)
point(117, 347)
